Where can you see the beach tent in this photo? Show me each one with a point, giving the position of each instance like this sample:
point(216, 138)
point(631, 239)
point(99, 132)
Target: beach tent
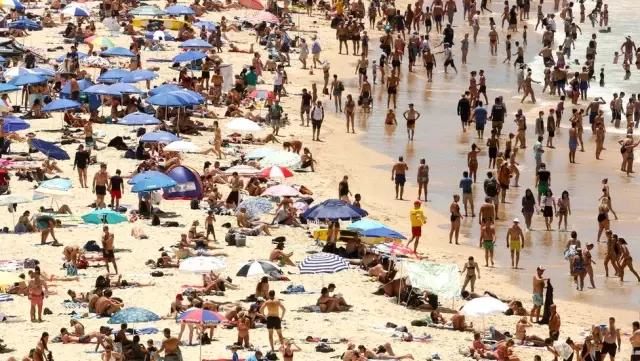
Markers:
point(442, 280)
point(189, 184)
point(94, 100)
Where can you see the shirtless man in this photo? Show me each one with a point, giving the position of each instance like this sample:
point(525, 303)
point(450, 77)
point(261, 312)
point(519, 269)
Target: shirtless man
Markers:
point(109, 355)
point(554, 323)
point(635, 342)
point(398, 174)
point(100, 180)
point(528, 88)
point(538, 298)
point(611, 335)
point(628, 48)
point(169, 346)
point(88, 135)
point(236, 185)
point(411, 116)
point(108, 249)
point(472, 271)
point(37, 290)
point(392, 88)
point(361, 68)
point(487, 239)
point(515, 242)
point(274, 319)
point(494, 40)
point(487, 210)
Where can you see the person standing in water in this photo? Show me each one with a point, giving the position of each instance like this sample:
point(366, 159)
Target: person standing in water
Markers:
point(515, 242)
point(411, 116)
point(606, 194)
point(423, 178)
point(626, 260)
point(488, 240)
point(398, 175)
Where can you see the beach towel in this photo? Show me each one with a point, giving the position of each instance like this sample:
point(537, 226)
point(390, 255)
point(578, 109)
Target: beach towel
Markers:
point(5, 297)
point(309, 309)
point(74, 305)
point(311, 339)
point(139, 331)
point(296, 290)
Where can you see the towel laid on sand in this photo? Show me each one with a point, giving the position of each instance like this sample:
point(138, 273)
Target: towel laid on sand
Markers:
point(74, 305)
point(309, 309)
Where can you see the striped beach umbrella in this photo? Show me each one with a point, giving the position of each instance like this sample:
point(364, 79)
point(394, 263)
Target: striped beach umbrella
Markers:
point(76, 10)
point(198, 315)
point(323, 263)
point(276, 173)
point(257, 268)
point(100, 41)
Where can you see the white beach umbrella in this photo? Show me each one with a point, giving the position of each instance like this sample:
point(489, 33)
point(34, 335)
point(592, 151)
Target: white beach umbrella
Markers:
point(183, 147)
point(242, 170)
point(53, 192)
point(484, 306)
point(281, 190)
point(12, 199)
point(16, 71)
point(202, 265)
point(243, 125)
point(281, 159)
point(95, 62)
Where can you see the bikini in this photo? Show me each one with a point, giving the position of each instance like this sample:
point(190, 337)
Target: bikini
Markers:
point(453, 216)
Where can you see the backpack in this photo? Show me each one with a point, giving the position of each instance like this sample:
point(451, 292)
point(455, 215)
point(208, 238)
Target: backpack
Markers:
point(491, 187)
point(92, 246)
point(340, 86)
point(195, 204)
point(155, 221)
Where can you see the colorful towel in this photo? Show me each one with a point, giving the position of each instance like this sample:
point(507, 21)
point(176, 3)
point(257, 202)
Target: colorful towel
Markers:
point(141, 331)
point(74, 305)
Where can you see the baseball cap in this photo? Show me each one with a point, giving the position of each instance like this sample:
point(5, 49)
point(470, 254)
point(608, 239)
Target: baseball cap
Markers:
point(516, 220)
point(540, 268)
point(417, 203)
point(179, 297)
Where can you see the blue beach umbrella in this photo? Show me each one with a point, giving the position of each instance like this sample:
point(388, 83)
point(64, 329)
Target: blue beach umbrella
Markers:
point(138, 118)
point(333, 210)
point(139, 75)
point(118, 51)
point(208, 25)
point(189, 56)
point(165, 88)
point(153, 183)
point(58, 183)
point(60, 105)
point(46, 73)
point(113, 75)
point(102, 89)
point(8, 88)
point(27, 79)
point(383, 232)
point(148, 174)
point(256, 206)
point(104, 216)
point(49, 149)
point(25, 25)
point(133, 315)
point(195, 44)
point(75, 10)
point(179, 10)
point(365, 224)
point(61, 58)
point(159, 136)
point(13, 124)
point(174, 99)
point(125, 88)
point(2, 59)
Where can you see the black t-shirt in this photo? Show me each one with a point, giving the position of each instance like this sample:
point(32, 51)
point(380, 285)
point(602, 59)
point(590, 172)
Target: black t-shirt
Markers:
point(544, 175)
point(306, 99)
point(116, 183)
point(497, 113)
point(464, 107)
point(82, 159)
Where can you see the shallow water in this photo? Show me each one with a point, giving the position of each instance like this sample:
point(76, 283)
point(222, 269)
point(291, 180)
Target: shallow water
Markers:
point(439, 139)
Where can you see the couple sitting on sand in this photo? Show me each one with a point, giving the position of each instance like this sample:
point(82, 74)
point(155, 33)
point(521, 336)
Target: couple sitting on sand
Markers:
point(328, 303)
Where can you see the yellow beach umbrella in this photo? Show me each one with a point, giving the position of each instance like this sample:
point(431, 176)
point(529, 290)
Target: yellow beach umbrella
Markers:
point(102, 42)
point(9, 278)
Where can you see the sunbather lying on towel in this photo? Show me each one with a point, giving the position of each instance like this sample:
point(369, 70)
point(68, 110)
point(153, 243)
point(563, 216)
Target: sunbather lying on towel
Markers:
point(382, 352)
point(69, 338)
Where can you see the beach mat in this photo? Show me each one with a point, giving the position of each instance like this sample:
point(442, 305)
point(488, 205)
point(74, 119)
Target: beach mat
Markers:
point(75, 305)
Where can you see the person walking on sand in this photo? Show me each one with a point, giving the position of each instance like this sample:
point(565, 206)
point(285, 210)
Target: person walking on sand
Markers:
point(317, 117)
point(418, 219)
point(81, 161)
point(456, 218)
point(398, 174)
point(466, 183)
point(471, 271)
point(116, 188)
point(37, 290)
point(337, 87)
point(411, 116)
point(100, 180)
point(611, 336)
point(537, 298)
point(108, 249)
point(274, 318)
point(423, 178)
point(515, 242)
point(487, 239)
point(343, 189)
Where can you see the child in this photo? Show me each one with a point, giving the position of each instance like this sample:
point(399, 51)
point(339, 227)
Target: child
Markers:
point(524, 36)
point(209, 224)
point(374, 71)
point(601, 77)
point(356, 203)
point(235, 357)
point(615, 57)
point(244, 323)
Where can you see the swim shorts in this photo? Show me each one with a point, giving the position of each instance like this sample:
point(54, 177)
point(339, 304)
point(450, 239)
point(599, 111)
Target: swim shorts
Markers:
point(537, 299)
point(543, 188)
point(116, 194)
point(400, 179)
point(609, 348)
point(36, 300)
point(635, 354)
point(515, 245)
point(101, 190)
point(416, 231)
point(108, 255)
point(487, 244)
point(274, 323)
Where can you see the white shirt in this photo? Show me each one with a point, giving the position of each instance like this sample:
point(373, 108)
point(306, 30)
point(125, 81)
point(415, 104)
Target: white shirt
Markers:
point(277, 78)
point(563, 349)
point(316, 113)
point(552, 24)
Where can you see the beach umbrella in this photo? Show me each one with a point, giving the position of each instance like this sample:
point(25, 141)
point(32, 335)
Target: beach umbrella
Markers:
point(61, 105)
point(276, 173)
point(2, 59)
point(102, 89)
point(165, 88)
point(322, 263)
point(257, 268)
point(333, 210)
point(153, 183)
point(179, 10)
point(281, 159)
point(11, 4)
point(118, 51)
point(46, 189)
point(242, 170)
point(76, 10)
point(147, 11)
point(159, 35)
point(16, 71)
point(49, 149)
point(182, 147)
point(13, 124)
point(25, 24)
point(259, 153)
point(256, 206)
point(7, 199)
point(159, 136)
point(189, 56)
point(8, 88)
point(263, 16)
point(393, 248)
point(139, 75)
point(100, 42)
point(382, 232)
point(198, 315)
point(484, 306)
point(132, 315)
point(174, 99)
point(58, 183)
point(243, 125)
point(125, 88)
point(208, 25)
point(104, 216)
point(365, 224)
point(27, 79)
point(47, 73)
point(251, 4)
point(5, 297)
point(195, 44)
point(113, 75)
point(61, 58)
point(148, 174)
point(261, 94)
point(202, 265)
point(7, 278)
point(94, 62)
point(281, 190)
point(138, 118)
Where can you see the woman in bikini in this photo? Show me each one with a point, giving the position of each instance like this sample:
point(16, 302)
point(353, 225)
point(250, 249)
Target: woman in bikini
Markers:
point(287, 351)
point(606, 194)
point(564, 209)
point(603, 218)
point(456, 217)
point(39, 352)
point(472, 161)
point(626, 260)
point(349, 111)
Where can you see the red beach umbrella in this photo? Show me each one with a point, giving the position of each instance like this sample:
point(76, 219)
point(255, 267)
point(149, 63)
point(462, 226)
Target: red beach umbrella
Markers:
point(262, 94)
point(276, 172)
point(251, 4)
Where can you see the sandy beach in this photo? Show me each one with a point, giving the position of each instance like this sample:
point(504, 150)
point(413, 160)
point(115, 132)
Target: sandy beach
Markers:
point(339, 154)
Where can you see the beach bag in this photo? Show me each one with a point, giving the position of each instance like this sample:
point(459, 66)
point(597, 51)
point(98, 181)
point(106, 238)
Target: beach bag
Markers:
point(324, 348)
point(491, 186)
point(129, 154)
point(157, 274)
point(155, 221)
point(230, 238)
point(195, 204)
point(92, 246)
point(295, 289)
